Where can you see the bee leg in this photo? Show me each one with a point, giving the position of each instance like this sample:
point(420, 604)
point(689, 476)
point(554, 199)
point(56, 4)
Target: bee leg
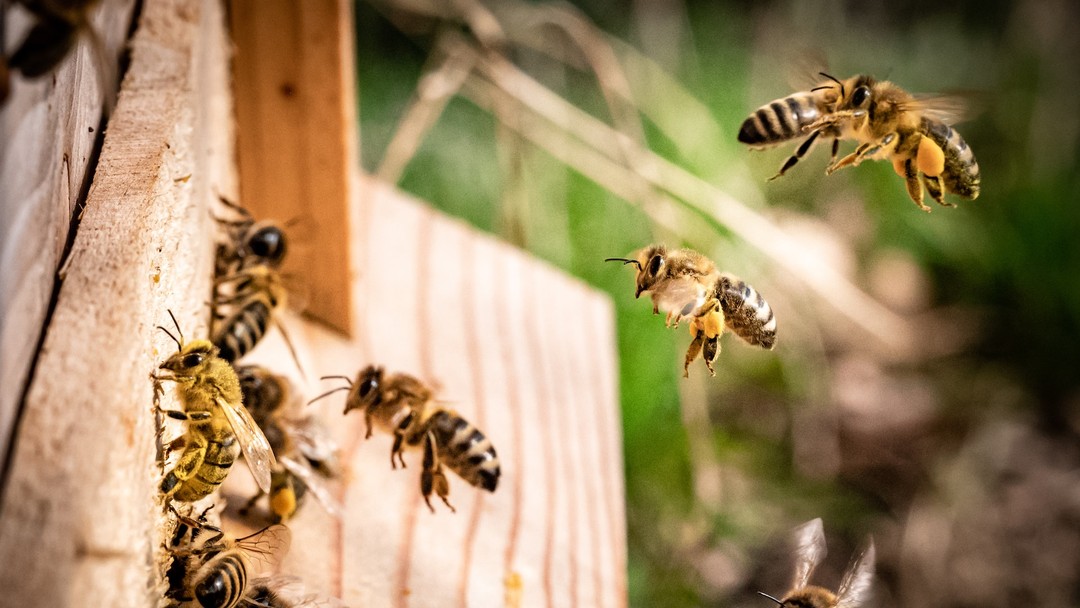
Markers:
point(846, 161)
point(396, 451)
point(914, 187)
point(936, 189)
point(432, 477)
point(835, 150)
point(367, 422)
point(188, 463)
point(712, 349)
point(694, 350)
point(799, 153)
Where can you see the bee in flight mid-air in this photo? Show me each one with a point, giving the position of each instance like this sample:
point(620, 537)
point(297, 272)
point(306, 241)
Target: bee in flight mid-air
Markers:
point(855, 585)
point(404, 406)
point(912, 131)
point(217, 422)
point(307, 455)
point(685, 284)
point(216, 571)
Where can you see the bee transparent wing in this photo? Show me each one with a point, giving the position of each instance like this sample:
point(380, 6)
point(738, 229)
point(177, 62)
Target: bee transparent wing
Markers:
point(315, 443)
point(256, 449)
point(947, 108)
point(315, 483)
point(267, 547)
point(855, 587)
point(809, 551)
point(285, 591)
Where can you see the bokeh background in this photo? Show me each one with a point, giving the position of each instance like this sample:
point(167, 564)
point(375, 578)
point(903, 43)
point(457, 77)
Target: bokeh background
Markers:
point(926, 385)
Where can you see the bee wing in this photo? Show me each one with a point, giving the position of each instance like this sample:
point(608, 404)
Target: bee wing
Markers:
point(947, 108)
point(809, 551)
point(267, 547)
point(855, 587)
point(256, 449)
point(315, 484)
point(288, 591)
point(314, 442)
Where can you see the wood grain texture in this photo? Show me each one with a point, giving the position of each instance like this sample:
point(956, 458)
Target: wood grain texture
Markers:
point(79, 518)
point(48, 129)
point(518, 348)
point(297, 129)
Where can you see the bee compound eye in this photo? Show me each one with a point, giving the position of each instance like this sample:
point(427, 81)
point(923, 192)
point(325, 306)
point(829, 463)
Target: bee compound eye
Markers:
point(368, 386)
point(860, 96)
point(192, 360)
point(268, 243)
point(655, 263)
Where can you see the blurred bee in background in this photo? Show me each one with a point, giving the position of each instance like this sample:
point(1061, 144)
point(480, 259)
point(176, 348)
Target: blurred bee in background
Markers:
point(782, 120)
point(248, 242)
point(685, 284)
point(911, 131)
point(214, 570)
point(810, 549)
point(53, 35)
point(403, 406)
point(307, 456)
point(217, 422)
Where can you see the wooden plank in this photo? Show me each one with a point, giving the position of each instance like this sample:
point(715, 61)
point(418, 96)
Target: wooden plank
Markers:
point(296, 136)
point(80, 515)
point(49, 129)
point(518, 348)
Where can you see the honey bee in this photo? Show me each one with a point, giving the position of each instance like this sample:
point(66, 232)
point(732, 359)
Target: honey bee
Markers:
point(685, 284)
point(854, 588)
point(248, 242)
point(214, 570)
point(403, 406)
point(53, 35)
point(258, 293)
point(217, 422)
point(307, 456)
point(911, 131)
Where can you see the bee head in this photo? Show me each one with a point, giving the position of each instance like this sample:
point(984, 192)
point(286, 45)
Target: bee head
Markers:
point(367, 390)
point(267, 243)
point(859, 96)
point(649, 262)
point(191, 358)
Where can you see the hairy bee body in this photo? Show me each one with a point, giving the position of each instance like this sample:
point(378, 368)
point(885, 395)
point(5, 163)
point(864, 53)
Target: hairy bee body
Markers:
point(219, 450)
point(258, 293)
point(306, 454)
point(961, 171)
point(686, 284)
point(810, 549)
point(403, 406)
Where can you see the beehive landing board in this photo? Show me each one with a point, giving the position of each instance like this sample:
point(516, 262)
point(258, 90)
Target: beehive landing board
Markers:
point(518, 348)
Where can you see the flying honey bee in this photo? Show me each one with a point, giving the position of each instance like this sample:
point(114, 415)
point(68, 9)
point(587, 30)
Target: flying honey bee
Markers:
point(307, 456)
point(810, 549)
point(685, 284)
point(216, 571)
point(217, 422)
point(403, 406)
point(911, 131)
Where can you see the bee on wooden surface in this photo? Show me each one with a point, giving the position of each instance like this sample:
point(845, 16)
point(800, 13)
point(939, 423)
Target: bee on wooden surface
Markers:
point(242, 317)
point(911, 131)
point(685, 284)
point(248, 242)
point(403, 406)
point(216, 571)
point(56, 29)
point(307, 455)
point(855, 585)
point(217, 422)
point(782, 120)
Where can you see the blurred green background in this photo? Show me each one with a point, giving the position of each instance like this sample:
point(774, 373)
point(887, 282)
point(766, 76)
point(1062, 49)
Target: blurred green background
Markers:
point(953, 438)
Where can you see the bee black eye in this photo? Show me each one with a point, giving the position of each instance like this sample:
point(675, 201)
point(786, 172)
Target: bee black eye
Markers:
point(654, 264)
point(367, 386)
point(860, 96)
point(268, 243)
point(192, 360)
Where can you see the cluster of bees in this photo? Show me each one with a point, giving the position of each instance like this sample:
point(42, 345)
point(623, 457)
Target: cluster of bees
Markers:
point(232, 410)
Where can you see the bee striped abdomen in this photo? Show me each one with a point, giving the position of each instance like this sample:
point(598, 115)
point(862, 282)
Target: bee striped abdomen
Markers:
point(221, 452)
point(746, 312)
point(961, 175)
point(243, 330)
point(779, 120)
point(222, 581)
point(466, 450)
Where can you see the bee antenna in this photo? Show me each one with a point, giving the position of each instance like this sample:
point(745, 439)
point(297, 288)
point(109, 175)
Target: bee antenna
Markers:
point(771, 598)
point(624, 261)
point(345, 378)
point(833, 78)
point(179, 345)
point(328, 393)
